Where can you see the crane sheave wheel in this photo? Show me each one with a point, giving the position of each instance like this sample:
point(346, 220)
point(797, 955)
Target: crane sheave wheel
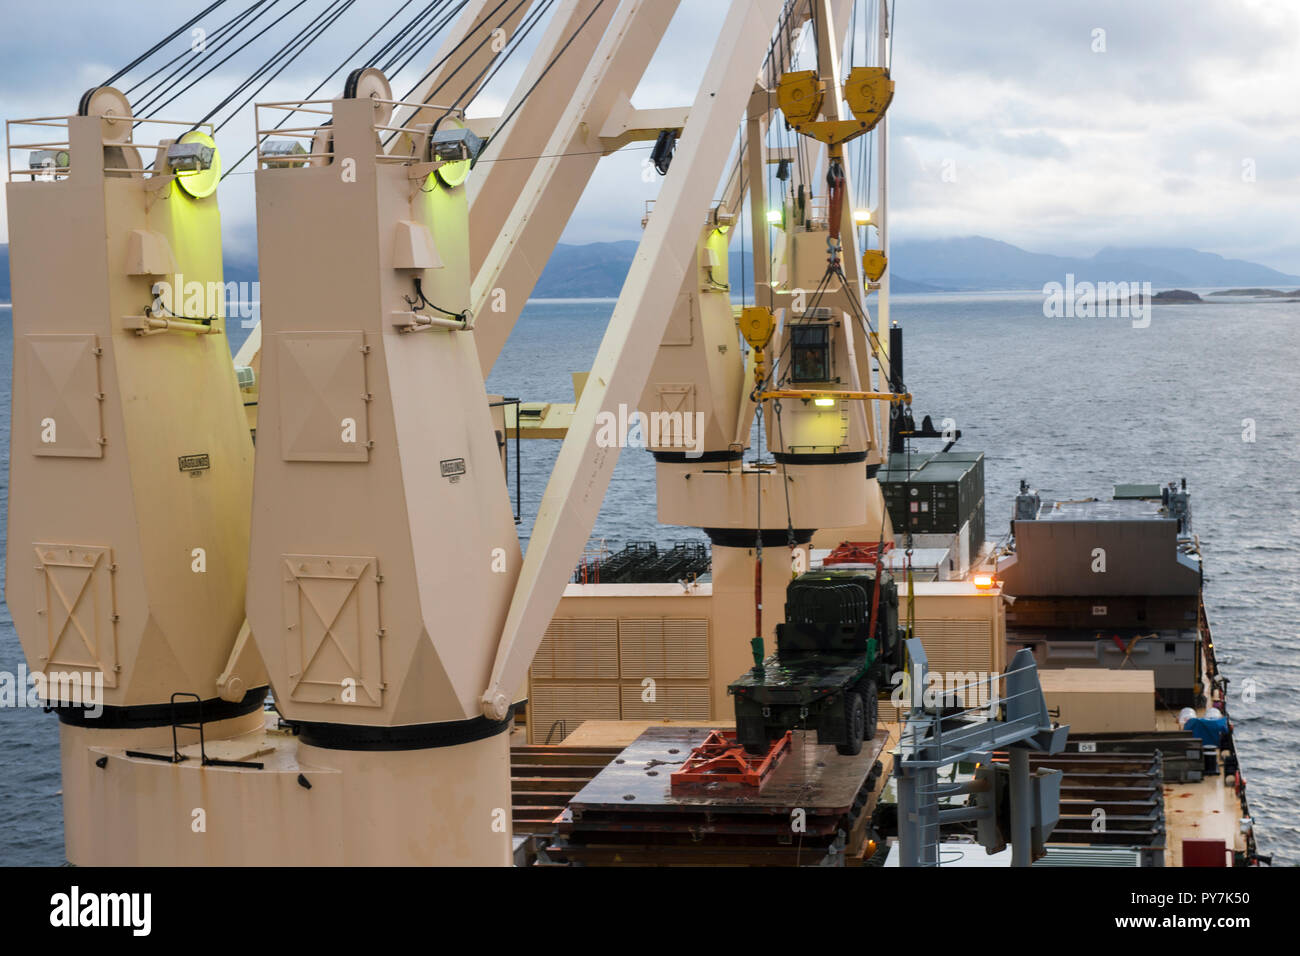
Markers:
point(113, 106)
point(368, 82)
point(122, 162)
point(322, 145)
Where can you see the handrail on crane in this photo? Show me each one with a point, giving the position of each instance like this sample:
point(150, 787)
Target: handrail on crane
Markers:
point(894, 397)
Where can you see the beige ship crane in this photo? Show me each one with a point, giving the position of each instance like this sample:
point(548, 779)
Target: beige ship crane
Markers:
point(821, 482)
point(371, 542)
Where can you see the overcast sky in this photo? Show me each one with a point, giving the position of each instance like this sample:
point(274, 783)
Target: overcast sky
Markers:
point(1010, 119)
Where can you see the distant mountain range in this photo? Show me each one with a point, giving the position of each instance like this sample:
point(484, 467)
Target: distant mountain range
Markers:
point(974, 263)
point(596, 270)
point(978, 263)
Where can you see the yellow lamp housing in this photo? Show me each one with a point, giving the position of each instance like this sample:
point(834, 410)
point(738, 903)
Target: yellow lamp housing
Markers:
point(799, 95)
point(868, 92)
point(874, 264)
point(456, 147)
point(200, 181)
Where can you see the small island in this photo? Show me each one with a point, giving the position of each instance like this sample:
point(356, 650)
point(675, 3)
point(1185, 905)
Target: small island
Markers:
point(1176, 295)
point(1259, 293)
point(1169, 296)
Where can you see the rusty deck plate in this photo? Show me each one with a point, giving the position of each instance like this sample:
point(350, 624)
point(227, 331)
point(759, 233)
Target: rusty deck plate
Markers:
point(812, 776)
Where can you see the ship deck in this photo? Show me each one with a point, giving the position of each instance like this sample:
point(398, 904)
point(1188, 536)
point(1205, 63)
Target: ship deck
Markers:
point(602, 762)
point(1204, 810)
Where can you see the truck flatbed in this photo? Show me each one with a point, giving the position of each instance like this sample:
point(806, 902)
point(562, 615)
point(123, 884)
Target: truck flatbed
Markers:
point(801, 680)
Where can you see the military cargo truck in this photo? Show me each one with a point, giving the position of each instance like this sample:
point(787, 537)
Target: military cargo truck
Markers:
point(829, 665)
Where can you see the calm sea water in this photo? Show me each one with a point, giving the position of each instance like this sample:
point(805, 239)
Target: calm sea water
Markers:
point(1071, 405)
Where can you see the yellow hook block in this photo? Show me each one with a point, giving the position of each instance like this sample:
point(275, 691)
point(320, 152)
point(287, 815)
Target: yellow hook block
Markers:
point(757, 325)
point(869, 91)
point(874, 264)
point(800, 95)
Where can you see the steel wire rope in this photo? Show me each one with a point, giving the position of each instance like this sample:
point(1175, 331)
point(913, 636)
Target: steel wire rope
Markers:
point(161, 43)
point(464, 40)
point(736, 173)
point(529, 92)
point(452, 52)
point(423, 35)
point(783, 379)
point(785, 478)
point(305, 37)
point(190, 51)
point(740, 159)
point(467, 94)
point(388, 45)
point(194, 63)
point(152, 101)
point(516, 41)
point(343, 65)
point(515, 159)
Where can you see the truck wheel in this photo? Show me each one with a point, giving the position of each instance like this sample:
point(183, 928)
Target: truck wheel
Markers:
point(855, 721)
point(871, 696)
point(757, 750)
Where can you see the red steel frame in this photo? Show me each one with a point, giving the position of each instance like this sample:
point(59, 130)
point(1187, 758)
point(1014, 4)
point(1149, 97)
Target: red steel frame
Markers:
point(722, 758)
point(857, 552)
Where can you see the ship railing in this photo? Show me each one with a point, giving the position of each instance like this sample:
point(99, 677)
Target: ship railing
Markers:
point(1228, 742)
point(818, 210)
point(52, 144)
point(396, 144)
point(926, 729)
point(710, 218)
point(48, 138)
